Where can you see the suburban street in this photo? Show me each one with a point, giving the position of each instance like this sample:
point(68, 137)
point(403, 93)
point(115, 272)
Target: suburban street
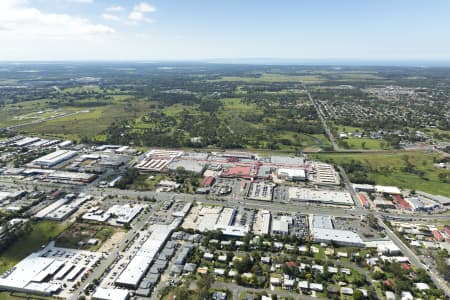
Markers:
point(131, 234)
point(323, 121)
point(413, 258)
point(233, 201)
point(240, 290)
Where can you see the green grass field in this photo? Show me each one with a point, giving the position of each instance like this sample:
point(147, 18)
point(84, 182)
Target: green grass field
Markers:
point(20, 296)
point(71, 237)
point(10, 114)
point(275, 78)
point(89, 124)
point(236, 105)
point(41, 233)
point(367, 144)
point(315, 77)
point(386, 169)
point(359, 76)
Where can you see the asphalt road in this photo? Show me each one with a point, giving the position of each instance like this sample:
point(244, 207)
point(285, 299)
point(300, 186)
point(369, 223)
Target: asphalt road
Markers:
point(232, 202)
point(414, 259)
point(114, 254)
point(324, 123)
point(238, 290)
point(274, 206)
point(12, 127)
point(349, 187)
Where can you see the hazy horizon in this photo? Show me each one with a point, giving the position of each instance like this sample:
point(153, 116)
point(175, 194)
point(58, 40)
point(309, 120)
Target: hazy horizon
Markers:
point(419, 63)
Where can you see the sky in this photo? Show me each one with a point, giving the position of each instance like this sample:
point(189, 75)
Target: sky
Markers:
point(178, 30)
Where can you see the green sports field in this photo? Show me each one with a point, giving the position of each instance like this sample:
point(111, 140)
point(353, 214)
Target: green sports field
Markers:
point(388, 168)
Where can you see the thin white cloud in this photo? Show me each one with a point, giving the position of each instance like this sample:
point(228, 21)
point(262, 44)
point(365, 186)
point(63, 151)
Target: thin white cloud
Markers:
point(144, 7)
point(115, 8)
point(111, 17)
point(140, 11)
point(19, 21)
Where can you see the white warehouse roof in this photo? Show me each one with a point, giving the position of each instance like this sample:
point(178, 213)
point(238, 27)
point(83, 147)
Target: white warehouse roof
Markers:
point(324, 222)
point(54, 158)
point(388, 189)
point(292, 173)
point(322, 196)
point(345, 237)
point(110, 294)
point(139, 264)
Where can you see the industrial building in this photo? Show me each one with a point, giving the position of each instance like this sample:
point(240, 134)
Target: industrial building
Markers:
point(208, 181)
point(65, 144)
point(265, 172)
point(152, 165)
point(54, 158)
point(364, 188)
point(11, 195)
point(63, 211)
point(281, 226)
point(292, 174)
point(320, 221)
point(261, 191)
point(122, 214)
point(388, 248)
point(287, 160)
point(26, 141)
point(112, 160)
point(263, 222)
point(391, 190)
point(47, 271)
point(216, 218)
point(400, 202)
point(11, 140)
point(52, 175)
point(184, 211)
point(39, 143)
point(383, 204)
point(421, 204)
point(332, 197)
point(442, 200)
point(232, 230)
point(338, 237)
point(195, 156)
point(52, 207)
point(191, 166)
point(110, 294)
point(157, 160)
point(246, 172)
point(71, 176)
point(323, 174)
point(226, 218)
point(140, 263)
point(239, 155)
point(207, 218)
point(363, 199)
point(322, 231)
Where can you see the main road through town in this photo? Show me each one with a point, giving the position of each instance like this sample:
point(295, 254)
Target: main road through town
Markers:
point(414, 259)
point(289, 206)
point(231, 201)
point(323, 121)
point(114, 254)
